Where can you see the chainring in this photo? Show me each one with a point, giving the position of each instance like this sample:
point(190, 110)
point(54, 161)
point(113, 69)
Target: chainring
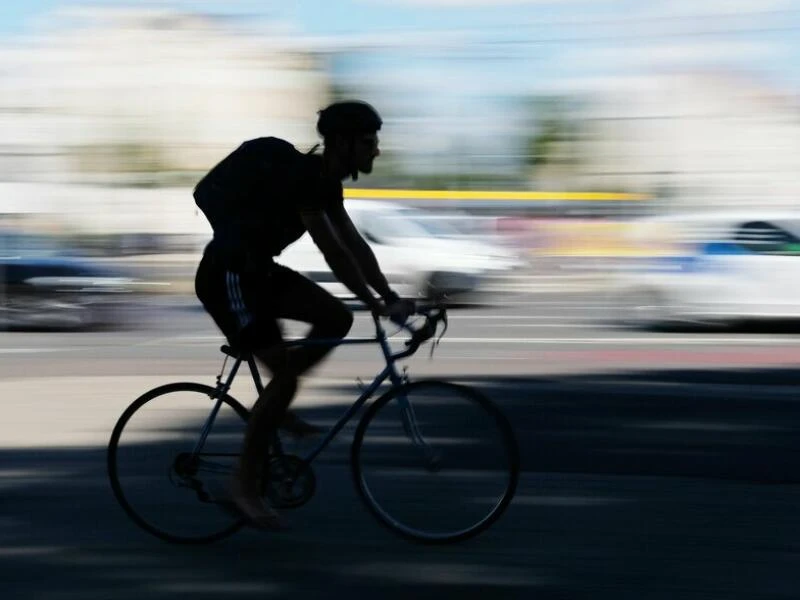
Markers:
point(290, 482)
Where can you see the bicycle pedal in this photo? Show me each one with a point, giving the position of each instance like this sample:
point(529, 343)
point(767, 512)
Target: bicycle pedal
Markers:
point(202, 494)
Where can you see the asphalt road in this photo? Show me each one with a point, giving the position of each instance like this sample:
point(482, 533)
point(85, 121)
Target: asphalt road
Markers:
point(655, 465)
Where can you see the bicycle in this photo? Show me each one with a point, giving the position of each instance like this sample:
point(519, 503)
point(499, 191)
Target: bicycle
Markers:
point(424, 428)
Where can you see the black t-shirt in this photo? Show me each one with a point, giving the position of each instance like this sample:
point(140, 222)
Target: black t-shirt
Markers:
point(254, 198)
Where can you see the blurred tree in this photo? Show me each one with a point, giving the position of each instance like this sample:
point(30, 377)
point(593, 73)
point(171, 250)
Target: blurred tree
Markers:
point(127, 162)
point(553, 138)
point(121, 157)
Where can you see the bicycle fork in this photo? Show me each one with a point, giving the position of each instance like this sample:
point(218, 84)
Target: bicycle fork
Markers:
point(411, 427)
point(407, 414)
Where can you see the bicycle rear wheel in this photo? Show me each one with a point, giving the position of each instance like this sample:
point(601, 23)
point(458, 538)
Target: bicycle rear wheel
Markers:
point(158, 479)
point(435, 462)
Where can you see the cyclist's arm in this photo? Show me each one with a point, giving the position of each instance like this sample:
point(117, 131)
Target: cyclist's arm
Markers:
point(361, 252)
point(339, 257)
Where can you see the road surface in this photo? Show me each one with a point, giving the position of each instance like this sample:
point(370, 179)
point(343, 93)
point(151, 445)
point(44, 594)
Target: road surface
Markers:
point(655, 466)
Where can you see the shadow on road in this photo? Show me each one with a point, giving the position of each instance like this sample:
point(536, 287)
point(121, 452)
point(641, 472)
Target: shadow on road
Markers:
point(646, 485)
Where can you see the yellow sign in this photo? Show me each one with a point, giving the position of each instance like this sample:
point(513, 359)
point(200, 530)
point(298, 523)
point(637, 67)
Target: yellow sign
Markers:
point(384, 194)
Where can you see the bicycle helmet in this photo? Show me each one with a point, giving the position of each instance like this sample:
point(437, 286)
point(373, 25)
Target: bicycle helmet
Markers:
point(351, 117)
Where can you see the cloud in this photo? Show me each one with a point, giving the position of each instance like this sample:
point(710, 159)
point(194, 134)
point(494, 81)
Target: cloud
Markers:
point(671, 55)
point(698, 8)
point(415, 40)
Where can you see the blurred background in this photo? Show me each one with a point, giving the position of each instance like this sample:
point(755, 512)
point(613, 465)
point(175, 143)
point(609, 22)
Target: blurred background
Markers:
point(606, 189)
point(554, 125)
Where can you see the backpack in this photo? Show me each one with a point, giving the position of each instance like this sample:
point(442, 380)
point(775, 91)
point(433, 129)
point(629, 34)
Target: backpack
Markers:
point(216, 189)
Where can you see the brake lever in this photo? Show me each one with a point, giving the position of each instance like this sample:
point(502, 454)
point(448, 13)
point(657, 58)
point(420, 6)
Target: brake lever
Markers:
point(428, 330)
point(418, 336)
point(443, 319)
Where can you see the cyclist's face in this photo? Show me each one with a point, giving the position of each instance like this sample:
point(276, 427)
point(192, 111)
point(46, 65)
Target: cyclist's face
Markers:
point(365, 151)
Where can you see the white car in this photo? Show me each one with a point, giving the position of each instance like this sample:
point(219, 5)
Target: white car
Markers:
point(712, 268)
point(421, 256)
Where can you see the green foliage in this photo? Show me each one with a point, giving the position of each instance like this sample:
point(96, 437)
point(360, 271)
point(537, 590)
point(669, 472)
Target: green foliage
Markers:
point(555, 132)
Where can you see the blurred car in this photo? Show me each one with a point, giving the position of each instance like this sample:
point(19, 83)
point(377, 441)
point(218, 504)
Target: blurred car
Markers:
point(712, 268)
point(43, 287)
point(419, 251)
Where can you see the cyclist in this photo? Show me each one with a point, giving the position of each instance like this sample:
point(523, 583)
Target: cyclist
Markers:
point(259, 199)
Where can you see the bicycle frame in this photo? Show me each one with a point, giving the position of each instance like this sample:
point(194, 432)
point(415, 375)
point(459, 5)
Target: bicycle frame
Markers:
point(388, 372)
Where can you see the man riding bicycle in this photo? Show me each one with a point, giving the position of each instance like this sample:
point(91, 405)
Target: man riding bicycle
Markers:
point(259, 199)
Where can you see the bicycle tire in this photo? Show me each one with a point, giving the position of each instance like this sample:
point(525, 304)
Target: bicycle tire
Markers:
point(114, 472)
point(493, 416)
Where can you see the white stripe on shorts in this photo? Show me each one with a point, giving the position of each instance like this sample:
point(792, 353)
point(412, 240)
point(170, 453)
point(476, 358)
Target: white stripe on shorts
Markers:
point(235, 299)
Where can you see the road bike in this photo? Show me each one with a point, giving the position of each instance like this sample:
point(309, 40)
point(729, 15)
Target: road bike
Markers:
point(434, 461)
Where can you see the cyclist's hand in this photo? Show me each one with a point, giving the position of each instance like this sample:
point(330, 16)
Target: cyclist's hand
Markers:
point(378, 309)
point(400, 310)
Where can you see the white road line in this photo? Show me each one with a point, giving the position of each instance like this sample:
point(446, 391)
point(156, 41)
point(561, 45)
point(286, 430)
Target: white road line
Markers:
point(461, 316)
point(641, 341)
point(30, 350)
point(564, 318)
point(564, 325)
point(621, 341)
point(560, 305)
point(182, 339)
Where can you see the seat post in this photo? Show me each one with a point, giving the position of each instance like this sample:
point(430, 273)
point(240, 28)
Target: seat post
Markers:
point(221, 392)
point(239, 356)
point(224, 387)
point(235, 355)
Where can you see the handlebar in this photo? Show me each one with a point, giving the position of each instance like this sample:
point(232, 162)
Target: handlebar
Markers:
point(434, 314)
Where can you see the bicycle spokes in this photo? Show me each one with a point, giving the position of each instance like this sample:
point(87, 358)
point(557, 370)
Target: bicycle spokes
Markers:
point(165, 486)
point(401, 469)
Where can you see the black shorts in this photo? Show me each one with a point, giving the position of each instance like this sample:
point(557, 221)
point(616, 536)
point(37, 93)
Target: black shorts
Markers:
point(247, 304)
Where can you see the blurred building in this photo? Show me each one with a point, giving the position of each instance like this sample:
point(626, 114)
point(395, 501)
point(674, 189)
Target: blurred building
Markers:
point(696, 140)
point(181, 86)
point(144, 98)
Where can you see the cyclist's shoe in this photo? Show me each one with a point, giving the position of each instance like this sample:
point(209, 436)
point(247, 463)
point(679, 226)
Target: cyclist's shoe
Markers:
point(299, 428)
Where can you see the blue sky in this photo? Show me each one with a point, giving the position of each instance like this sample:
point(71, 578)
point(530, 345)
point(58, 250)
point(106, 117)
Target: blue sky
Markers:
point(547, 40)
point(328, 16)
point(457, 59)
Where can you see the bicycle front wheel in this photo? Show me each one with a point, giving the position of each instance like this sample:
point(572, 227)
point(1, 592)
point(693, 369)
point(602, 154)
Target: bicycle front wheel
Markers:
point(163, 482)
point(435, 462)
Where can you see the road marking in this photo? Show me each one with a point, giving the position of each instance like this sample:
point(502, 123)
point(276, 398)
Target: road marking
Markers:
point(639, 341)
point(30, 350)
point(540, 325)
point(727, 341)
point(561, 305)
point(461, 316)
point(567, 320)
point(182, 339)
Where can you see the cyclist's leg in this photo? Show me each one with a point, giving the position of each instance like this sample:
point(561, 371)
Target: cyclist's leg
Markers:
point(233, 301)
point(267, 411)
point(300, 299)
point(210, 288)
point(256, 331)
point(252, 303)
point(295, 297)
point(242, 307)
